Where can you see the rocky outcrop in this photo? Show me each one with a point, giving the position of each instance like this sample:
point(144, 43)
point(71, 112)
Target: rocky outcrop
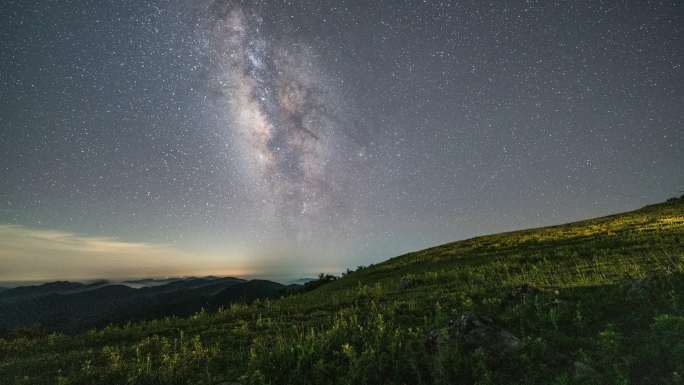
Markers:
point(474, 332)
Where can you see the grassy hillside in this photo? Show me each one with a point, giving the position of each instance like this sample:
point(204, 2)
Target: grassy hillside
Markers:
point(598, 301)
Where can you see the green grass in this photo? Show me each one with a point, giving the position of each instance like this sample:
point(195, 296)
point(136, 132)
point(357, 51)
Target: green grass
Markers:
point(610, 296)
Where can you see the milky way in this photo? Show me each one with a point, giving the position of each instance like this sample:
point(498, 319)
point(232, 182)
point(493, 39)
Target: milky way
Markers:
point(285, 117)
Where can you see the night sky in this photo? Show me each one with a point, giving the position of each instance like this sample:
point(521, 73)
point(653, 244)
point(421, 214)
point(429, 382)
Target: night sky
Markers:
point(294, 137)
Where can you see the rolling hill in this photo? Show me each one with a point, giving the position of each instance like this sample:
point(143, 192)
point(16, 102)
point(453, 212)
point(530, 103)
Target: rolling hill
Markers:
point(72, 307)
point(599, 301)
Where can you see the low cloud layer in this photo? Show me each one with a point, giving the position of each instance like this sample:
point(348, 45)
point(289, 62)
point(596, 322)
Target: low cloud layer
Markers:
point(35, 254)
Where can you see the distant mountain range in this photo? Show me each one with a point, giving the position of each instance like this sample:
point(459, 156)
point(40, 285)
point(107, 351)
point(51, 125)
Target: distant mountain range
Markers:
point(72, 307)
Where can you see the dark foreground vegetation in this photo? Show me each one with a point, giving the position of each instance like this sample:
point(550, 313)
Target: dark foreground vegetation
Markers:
point(593, 302)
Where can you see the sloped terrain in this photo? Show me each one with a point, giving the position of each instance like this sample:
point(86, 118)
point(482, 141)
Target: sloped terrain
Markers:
point(593, 302)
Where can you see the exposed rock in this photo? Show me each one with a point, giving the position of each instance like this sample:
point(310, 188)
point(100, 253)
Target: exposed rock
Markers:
point(407, 282)
point(475, 332)
point(636, 289)
point(319, 314)
point(432, 341)
point(523, 292)
point(526, 290)
point(583, 372)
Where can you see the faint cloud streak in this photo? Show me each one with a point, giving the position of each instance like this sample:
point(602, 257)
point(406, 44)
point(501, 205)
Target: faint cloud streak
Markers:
point(34, 254)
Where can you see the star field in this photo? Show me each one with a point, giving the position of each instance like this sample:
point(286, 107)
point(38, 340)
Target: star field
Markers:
point(306, 136)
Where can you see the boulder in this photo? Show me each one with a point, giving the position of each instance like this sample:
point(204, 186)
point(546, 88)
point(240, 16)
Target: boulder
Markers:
point(583, 372)
point(432, 341)
point(481, 333)
point(636, 290)
point(404, 283)
point(526, 290)
point(522, 293)
point(407, 282)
